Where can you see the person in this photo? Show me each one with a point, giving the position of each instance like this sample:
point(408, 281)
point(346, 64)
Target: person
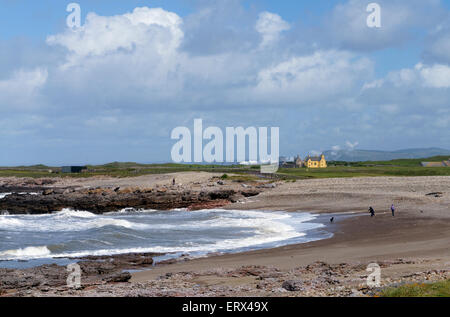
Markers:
point(332, 219)
point(372, 212)
point(173, 182)
point(393, 210)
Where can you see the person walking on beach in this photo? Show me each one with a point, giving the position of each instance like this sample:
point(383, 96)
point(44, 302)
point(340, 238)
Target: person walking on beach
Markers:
point(372, 212)
point(393, 210)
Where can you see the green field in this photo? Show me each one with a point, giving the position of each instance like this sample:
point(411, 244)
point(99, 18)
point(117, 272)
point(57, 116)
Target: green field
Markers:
point(363, 171)
point(404, 167)
point(407, 167)
point(438, 289)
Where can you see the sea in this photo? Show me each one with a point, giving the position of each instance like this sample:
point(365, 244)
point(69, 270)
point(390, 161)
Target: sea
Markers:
point(31, 240)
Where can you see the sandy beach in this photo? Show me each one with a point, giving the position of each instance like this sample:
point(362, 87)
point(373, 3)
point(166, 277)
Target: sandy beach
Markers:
point(413, 246)
point(419, 231)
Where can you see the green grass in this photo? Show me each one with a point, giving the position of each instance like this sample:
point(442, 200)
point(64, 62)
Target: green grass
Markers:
point(407, 167)
point(398, 162)
point(120, 170)
point(364, 171)
point(437, 289)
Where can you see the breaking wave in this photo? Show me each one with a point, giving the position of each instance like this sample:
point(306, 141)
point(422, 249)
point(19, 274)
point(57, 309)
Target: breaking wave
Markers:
point(71, 233)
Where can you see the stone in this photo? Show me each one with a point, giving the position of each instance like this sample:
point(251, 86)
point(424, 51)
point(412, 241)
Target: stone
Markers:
point(119, 278)
point(292, 285)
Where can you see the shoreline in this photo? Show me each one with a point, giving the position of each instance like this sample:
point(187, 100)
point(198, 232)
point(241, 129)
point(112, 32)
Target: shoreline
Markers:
point(349, 243)
point(324, 231)
point(413, 246)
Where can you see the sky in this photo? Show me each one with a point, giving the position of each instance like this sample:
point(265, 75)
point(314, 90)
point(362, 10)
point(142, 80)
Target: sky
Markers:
point(115, 87)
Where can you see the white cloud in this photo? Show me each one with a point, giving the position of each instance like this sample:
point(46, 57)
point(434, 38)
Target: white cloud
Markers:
point(436, 76)
point(270, 25)
point(428, 76)
point(317, 76)
point(157, 29)
point(351, 145)
point(336, 148)
point(21, 89)
point(138, 57)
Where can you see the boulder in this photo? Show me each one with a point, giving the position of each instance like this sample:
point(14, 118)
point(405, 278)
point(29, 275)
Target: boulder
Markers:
point(292, 285)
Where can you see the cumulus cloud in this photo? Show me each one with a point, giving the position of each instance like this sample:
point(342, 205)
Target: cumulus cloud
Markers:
point(99, 36)
point(139, 56)
point(22, 88)
point(437, 76)
point(321, 75)
point(431, 76)
point(270, 25)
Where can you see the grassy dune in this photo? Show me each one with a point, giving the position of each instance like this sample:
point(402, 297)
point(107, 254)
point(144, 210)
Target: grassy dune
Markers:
point(438, 289)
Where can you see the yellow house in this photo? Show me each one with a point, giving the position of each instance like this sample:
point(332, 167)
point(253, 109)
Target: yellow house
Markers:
point(316, 161)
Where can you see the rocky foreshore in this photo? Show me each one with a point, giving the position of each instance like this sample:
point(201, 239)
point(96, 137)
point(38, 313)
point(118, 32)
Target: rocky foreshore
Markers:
point(316, 279)
point(95, 270)
point(101, 200)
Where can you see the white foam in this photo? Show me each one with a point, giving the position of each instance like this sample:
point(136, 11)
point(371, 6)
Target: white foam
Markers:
point(25, 253)
point(3, 195)
point(266, 228)
point(65, 220)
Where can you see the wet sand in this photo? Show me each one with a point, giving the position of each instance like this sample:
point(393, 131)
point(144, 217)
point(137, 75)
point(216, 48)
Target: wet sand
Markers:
point(420, 229)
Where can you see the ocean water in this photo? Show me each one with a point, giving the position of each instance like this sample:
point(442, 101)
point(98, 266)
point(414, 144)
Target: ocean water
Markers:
point(39, 239)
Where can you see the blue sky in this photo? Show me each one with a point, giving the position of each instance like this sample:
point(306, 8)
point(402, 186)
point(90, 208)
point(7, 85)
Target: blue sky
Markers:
point(113, 89)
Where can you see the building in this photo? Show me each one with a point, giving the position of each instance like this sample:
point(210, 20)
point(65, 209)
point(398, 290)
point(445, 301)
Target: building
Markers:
point(316, 161)
point(299, 162)
point(291, 163)
point(73, 169)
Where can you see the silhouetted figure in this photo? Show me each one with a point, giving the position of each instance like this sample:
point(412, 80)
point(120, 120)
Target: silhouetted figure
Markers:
point(332, 219)
point(173, 182)
point(372, 212)
point(393, 210)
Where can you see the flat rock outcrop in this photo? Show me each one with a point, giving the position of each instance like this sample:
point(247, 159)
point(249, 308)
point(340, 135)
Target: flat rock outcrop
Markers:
point(101, 200)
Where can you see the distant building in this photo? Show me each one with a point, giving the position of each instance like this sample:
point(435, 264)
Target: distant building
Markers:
point(291, 163)
point(316, 161)
point(436, 164)
point(299, 162)
point(73, 169)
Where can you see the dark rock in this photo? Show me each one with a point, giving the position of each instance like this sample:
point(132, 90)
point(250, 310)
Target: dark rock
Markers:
point(292, 286)
point(250, 193)
point(119, 278)
point(435, 194)
point(47, 192)
point(100, 200)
